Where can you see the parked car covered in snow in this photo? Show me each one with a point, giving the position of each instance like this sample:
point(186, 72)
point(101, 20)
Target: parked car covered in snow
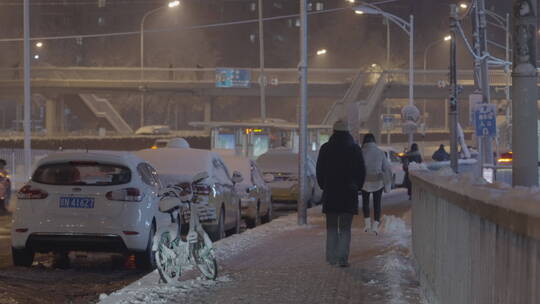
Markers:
point(396, 165)
point(219, 204)
point(280, 168)
point(254, 193)
point(153, 130)
point(80, 201)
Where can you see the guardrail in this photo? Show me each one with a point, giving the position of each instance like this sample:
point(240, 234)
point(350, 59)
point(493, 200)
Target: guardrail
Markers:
point(475, 243)
point(274, 76)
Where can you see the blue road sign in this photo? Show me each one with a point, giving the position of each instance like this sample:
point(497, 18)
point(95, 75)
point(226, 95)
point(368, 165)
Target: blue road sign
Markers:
point(485, 120)
point(232, 78)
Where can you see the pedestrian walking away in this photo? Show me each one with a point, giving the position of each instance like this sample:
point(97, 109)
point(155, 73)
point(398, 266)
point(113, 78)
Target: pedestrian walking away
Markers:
point(340, 174)
point(413, 156)
point(378, 179)
point(441, 154)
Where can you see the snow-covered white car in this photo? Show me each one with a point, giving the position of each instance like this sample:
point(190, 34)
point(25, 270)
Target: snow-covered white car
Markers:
point(282, 165)
point(253, 191)
point(219, 203)
point(398, 175)
point(79, 201)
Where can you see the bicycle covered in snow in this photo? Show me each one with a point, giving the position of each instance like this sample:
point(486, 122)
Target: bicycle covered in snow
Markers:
point(175, 253)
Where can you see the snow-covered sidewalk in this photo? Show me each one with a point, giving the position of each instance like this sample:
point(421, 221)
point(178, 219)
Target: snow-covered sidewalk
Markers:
point(282, 262)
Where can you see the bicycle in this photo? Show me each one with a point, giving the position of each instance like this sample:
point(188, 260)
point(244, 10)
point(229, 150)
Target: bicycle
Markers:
point(172, 252)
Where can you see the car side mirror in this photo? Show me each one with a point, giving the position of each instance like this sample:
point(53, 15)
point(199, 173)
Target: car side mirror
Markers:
point(237, 177)
point(268, 178)
point(199, 177)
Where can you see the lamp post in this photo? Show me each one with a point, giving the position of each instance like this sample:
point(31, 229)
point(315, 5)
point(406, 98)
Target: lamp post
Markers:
point(171, 4)
point(426, 50)
point(407, 27)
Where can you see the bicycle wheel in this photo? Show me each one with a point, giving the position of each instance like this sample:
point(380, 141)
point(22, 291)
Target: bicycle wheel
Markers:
point(204, 257)
point(166, 259)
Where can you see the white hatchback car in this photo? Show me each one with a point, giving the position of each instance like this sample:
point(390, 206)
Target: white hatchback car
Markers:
point(396, 165)
point(76, 201)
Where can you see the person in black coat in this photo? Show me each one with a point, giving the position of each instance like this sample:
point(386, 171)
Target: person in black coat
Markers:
point(340, 174)
point(413, 156)
point(441, 154)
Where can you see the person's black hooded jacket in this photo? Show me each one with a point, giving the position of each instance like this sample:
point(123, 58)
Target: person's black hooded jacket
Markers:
point(340, 173)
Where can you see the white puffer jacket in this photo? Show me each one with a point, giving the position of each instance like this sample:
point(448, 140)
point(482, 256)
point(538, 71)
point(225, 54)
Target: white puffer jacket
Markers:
point(378, 172)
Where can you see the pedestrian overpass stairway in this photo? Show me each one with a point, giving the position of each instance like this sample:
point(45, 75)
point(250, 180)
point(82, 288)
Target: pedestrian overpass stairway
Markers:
point(358, 111)
point(102, 108)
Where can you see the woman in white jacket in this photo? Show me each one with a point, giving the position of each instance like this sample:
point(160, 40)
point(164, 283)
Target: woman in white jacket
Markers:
point(378, 178)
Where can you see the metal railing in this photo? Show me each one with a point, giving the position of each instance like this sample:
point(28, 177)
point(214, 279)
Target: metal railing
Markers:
point(275, 76)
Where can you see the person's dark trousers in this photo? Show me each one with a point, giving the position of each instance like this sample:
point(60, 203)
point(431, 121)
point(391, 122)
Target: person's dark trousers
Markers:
point(377, 197)
point(338, 237)
point(408, 184)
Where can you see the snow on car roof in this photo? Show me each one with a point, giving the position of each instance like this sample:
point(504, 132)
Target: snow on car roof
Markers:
point(125, 158)
point(179, 161)
point(278, 160)
point(238, 163)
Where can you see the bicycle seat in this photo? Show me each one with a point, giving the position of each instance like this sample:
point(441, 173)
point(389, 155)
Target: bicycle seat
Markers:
point(169, 204)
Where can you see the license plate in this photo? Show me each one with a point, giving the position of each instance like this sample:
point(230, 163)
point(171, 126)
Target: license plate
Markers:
point(77, 202)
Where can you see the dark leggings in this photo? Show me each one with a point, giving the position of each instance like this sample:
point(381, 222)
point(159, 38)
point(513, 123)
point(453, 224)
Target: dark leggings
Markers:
point(377, 196)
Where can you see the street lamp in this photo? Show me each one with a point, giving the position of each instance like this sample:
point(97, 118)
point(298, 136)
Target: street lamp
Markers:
point(171, 4)
point(407, 27)
point(321, 52)
point(432, 44)
point(39, 44)
point(463, 5)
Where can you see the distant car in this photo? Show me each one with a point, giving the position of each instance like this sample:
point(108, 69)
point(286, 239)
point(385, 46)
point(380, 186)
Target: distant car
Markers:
point(282, 166)
point(153, 130)
point(254, 193)
point(506, 159)
point(394, 158)
point(170, 143)
point(88, 202)
point(219, 203)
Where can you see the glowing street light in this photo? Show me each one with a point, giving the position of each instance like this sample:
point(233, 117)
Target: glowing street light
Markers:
point(463, 5)
point(447, 38)
point(174, 4)
point(359, 12)
point(39, 44)
point(321, 52)
point(36, 57)
point(350, 1)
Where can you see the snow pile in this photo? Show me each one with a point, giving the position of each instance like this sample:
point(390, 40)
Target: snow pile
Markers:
point(397, 263)
point(416, 166)
point(518, 199)
point(446, 171)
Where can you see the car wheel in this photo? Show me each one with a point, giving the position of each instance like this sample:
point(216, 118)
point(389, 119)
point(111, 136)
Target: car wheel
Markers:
point(218, 232)
point(268, 216)
point(146, 260)
point(22, 257)
point(236, 228)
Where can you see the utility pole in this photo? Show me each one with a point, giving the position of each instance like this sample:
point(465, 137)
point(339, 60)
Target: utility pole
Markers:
point(302, 121)
point(27, 92)
point(524, 95)
point(487, 141)
point(453, 111)
point(262, 77)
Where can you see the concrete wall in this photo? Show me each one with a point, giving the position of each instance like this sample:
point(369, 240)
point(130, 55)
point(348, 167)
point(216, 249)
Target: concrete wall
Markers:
point(475, 243)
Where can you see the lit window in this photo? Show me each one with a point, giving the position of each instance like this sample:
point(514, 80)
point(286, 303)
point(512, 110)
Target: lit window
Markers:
point(319, 6)
point(101, 21)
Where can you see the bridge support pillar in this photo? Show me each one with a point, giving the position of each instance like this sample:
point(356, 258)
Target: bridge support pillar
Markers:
point(51, 117)
point(374, 122)
point(208, 109)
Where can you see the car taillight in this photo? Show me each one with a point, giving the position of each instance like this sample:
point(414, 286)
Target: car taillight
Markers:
point(27, 193)
point(125, 195)
point(202, 189)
